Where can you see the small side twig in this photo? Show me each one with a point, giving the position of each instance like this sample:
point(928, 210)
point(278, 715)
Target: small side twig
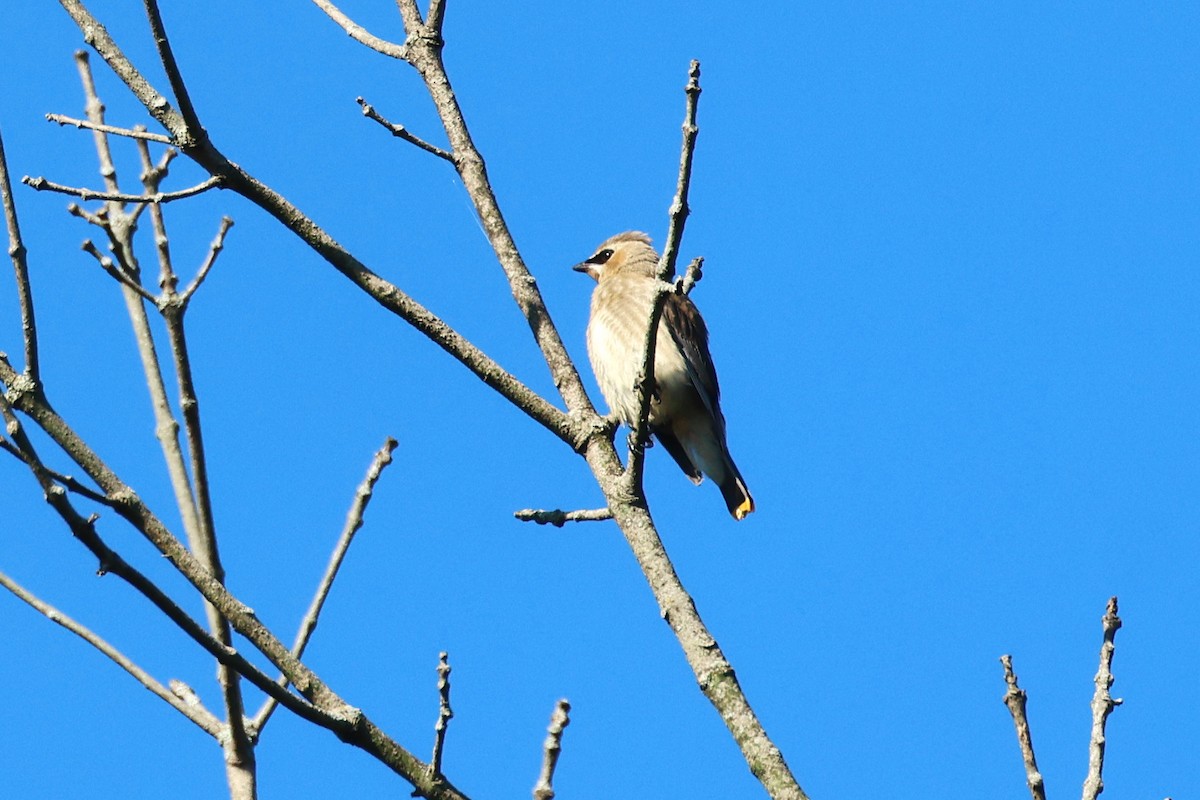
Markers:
point(1015, 699)
point(558, 517)
point(1103, 704)
point(44, 185)
point(445, 714)
point(402, 132)
point(544, 790)
point(194, 711)
point(691, 277)
point(354, 521)
point(116, 272)
point(132, 133)
point(214, 250)
point(68, 482)
point(360, 34)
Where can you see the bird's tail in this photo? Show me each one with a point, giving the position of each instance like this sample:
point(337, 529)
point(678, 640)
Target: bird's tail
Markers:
point(737, 496)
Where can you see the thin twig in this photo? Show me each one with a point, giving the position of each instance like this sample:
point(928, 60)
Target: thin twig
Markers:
point(68, 482)
point(214, 250)
point(115, 272)
point(402, 132)
point(132, 133)
point(679, 206)
point(691, 277)
point(1014, 698)
point(152, 177)
point(360, 34)
point(1103, 704)
point(174, 77)
point(354, 521)
point(558, 517)
point(197, 713)
point(551, 749)
point(644, 387)
point(445, 714)
point(43, 185)
point(17, 252)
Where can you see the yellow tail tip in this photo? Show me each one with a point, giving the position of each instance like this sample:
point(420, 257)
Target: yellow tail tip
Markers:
point(746, 507)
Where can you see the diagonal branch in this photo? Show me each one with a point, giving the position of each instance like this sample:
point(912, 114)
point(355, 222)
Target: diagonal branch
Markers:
point(401, 132)
point(84, 529)
point(324, 707)
point(354, 521)
point(1015, 698)
point(214, 250)
point(174, 77)
point(358, 33)
point(202, 717)
point(17, 252)
point(382, 291)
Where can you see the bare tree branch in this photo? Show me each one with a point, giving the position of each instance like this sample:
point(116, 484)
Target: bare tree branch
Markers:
point(402, 132)
point(551, 749)
point(358, 33)
point(115, 272)
point(1015, 698)
point(644, 386)
point(214, 250)
point(195, 712)
point(354, 521)
point(383, 292)
point(558, 518)
point(132, 133)
point(44, 185)
point(580, 427)
point(1102, 704)
point(178, 87)
point(691, 277)
point(679, 206)
point(17, 252)
point(323, 707)
point(444, 714)
point(84, 529)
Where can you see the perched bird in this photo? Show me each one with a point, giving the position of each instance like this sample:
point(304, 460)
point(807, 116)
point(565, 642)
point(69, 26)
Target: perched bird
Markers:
point(685, 412)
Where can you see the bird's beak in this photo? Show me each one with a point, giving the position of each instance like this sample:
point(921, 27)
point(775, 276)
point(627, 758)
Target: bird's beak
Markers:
point(586, 268)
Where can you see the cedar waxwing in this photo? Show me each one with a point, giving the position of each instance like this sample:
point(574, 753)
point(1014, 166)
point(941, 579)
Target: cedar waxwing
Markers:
point(685, 412)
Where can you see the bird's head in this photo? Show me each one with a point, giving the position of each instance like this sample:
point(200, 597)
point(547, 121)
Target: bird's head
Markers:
point(626, 253)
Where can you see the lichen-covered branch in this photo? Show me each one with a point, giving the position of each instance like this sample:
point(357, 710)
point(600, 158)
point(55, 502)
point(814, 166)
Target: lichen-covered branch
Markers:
point(1014, 698)
point(1103, 704)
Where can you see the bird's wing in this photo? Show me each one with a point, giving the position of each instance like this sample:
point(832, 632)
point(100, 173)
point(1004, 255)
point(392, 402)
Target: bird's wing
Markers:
point(683, 320)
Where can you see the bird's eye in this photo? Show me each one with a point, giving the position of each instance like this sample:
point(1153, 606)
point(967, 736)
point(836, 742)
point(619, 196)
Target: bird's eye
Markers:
point(602, 257)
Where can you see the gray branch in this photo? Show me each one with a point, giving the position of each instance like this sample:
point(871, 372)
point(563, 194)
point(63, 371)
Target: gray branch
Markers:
point(1015, 698)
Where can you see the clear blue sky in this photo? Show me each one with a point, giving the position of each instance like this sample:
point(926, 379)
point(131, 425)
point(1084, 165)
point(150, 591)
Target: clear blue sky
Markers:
point(951, 282)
